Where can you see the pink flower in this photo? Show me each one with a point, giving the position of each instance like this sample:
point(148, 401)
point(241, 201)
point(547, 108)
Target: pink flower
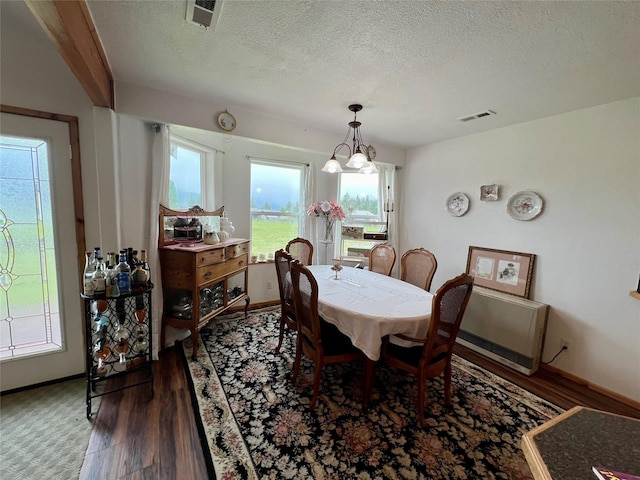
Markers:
point(328, 209)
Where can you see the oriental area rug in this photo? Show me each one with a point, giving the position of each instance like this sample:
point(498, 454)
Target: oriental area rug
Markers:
point(256, 424)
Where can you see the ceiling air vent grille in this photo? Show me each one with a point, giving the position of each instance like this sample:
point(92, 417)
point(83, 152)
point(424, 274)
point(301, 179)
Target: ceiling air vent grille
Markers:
point(475, 116)
point(204, 12)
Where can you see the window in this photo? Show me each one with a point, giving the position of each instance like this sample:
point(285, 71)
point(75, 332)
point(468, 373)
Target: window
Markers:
point(190, 175)
point(277, 206)
point(359, 197)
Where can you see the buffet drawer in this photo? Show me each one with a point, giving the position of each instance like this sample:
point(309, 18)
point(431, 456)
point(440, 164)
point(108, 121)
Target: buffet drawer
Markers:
point(237, 250)
point(211, 272)
point(210, 257)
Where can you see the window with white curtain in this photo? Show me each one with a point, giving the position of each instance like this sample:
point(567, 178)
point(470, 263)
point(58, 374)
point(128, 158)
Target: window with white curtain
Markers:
point(360, 199)
point(277, 205)
point(191, 175)
point(368, 202)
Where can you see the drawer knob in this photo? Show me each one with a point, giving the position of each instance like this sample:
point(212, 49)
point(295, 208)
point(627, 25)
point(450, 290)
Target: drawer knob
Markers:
point(240, 262)
point(207, 275)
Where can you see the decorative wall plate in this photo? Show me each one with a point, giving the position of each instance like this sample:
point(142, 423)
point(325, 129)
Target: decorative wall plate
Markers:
point(489, 193)
point(457, 204)
point(524, 205)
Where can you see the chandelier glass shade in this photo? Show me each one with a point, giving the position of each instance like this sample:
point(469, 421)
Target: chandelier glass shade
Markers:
point(358, 152)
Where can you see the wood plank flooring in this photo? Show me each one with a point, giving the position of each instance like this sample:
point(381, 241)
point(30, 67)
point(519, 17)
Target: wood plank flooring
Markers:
point(139, 437)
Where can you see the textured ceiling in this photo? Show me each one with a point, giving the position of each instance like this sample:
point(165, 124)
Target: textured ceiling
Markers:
point(416, 66)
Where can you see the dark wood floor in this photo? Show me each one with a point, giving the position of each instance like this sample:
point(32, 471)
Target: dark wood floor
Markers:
point(138, 437)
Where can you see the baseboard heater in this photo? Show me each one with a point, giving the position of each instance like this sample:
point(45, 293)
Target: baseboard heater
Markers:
point(505, 328)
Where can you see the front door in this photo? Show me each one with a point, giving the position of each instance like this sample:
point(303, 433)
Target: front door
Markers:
point(41, 320)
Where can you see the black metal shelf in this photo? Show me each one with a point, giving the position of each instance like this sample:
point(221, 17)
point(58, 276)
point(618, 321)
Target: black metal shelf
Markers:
point(119, 341)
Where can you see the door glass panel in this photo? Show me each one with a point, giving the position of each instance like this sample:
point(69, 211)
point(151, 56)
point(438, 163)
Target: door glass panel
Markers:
point(29, 307)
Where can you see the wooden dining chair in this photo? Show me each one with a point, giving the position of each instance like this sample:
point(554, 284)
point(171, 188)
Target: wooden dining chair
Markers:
point(318, 340)
point(300, 249)
point(417, 266)
point(282, 261)
point(382, 257)
point(432, 355)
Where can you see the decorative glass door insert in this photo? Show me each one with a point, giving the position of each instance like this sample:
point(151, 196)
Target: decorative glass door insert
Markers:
point(29, 306)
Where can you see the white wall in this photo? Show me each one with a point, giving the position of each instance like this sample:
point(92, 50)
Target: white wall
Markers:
point(586, 167)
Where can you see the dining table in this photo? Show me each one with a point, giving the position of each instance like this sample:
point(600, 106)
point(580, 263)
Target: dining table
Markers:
point(367, 306)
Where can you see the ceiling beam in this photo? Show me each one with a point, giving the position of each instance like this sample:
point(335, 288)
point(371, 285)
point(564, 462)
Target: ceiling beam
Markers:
point(69, 25)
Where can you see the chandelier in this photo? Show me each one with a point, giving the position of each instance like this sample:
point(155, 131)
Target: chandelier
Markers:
point(360, 155)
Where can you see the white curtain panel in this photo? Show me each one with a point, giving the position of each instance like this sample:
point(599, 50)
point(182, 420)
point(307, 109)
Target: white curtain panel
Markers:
point(310, 193)
point(160, 164)
point(387, 194)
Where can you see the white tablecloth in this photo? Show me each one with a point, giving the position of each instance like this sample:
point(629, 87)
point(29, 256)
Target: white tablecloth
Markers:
point(366, 306)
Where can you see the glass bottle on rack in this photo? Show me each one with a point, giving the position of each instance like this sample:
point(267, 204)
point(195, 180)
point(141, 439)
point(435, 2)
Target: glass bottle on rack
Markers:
point(139, 276)
point(101, 352)
point(112, 280)
point(87, 283)
point(145, 263)
point(124, 274)
point(99, 278)
point(121, 339)
point(140, 333)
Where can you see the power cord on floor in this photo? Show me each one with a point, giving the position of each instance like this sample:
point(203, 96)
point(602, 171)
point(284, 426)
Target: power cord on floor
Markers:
point(564, 347)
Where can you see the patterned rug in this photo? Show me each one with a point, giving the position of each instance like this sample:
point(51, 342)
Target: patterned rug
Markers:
point(44, 432)
point(256, 424)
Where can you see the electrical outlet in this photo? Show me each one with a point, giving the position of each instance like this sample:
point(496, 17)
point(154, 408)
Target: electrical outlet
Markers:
point(269, 285)
point(565, 343)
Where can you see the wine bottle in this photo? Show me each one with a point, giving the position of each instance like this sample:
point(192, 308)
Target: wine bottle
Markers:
point(97, 252)
point(140, 346)
point(101, 352)
point(99, 279)
point(145, 262)
point(124, 274)
point(121, 337)
point(141, 343)
point(112, 282)
point(122, 348)
point(88, 276)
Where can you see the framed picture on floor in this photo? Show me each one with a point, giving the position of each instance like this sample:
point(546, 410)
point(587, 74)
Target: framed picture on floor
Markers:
point(501, 270)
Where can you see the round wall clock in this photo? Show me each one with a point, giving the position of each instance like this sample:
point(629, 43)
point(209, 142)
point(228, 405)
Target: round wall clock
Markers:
point(226, 121)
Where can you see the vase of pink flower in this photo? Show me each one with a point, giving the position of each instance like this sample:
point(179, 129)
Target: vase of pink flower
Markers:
point(330, 212)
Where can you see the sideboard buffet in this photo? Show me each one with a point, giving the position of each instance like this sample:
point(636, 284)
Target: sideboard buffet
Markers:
point(200, 280)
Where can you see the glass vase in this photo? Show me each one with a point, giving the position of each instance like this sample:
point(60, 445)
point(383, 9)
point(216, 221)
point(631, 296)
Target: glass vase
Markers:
point(328, 231)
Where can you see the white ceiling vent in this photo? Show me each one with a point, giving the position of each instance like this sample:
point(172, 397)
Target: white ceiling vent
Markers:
point(204, 12)
point(486, 113)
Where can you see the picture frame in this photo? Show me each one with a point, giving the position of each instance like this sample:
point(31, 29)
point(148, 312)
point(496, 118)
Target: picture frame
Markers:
point(501, 270)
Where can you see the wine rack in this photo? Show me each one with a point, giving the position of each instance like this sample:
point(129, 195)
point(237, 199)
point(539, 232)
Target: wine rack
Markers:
point(119, 343)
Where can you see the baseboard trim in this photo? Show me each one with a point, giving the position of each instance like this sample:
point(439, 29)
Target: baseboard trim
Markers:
point(596, 388)
point(254, 306)
point(42, 384)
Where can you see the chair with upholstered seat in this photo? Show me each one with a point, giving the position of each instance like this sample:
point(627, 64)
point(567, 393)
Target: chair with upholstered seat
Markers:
point(300, 249)
point(382, 257)
point(417, 266)
point(318, 340)
point(287, 310)
point(431, 356)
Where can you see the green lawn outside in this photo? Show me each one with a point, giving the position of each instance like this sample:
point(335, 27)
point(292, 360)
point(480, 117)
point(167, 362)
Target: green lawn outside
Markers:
point(271, 235)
